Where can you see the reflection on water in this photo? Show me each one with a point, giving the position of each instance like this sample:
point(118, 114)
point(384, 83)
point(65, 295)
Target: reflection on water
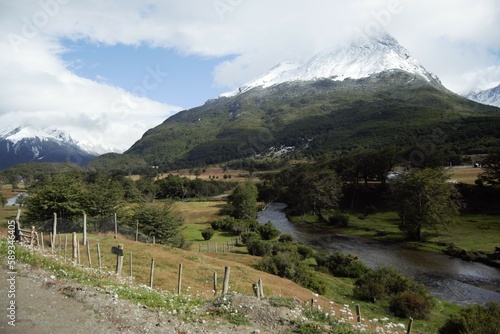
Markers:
point(454, 280)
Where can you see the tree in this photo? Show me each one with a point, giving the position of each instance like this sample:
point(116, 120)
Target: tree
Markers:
point(244, 201)
point(160, 222)
point(323, 191)
point(425, 200)
point(3, 201)
point(491, 174)
point(61, 194)
point(103, 197)
point(21, 199)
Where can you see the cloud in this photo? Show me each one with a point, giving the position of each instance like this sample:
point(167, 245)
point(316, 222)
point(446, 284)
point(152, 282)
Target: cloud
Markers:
point(457, 40)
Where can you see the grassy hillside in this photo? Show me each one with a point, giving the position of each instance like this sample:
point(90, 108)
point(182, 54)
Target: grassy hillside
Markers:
point(321, 117)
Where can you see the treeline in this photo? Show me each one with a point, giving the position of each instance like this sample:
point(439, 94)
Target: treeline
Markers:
point(101, 195)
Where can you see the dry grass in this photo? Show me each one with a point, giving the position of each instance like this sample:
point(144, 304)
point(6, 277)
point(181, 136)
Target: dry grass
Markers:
point(465, 174)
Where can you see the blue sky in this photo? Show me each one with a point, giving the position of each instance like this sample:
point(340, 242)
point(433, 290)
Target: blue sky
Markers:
point(107, 71)
point(182, 80)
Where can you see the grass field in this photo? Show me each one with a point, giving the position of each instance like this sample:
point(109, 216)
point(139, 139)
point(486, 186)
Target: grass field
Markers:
point(465, 174)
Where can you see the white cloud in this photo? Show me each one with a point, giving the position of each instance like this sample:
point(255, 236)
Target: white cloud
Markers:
point(457, 40)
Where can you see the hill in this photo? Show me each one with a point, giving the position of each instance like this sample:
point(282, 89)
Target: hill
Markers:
point(311, 118)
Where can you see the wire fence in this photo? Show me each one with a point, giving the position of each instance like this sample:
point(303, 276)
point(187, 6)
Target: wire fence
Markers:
point(95, 225)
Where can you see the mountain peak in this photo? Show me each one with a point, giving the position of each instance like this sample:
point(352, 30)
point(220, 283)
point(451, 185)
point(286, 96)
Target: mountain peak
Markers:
point(360, 58)
point(489, 96)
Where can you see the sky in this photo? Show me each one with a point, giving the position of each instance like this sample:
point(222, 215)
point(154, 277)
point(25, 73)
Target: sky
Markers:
point(106, 71)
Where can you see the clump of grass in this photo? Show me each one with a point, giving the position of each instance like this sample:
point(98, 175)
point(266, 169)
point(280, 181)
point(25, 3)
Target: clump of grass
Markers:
point(223, 308)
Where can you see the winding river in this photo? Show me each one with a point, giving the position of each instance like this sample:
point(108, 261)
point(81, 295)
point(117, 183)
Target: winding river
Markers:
point(450, 279)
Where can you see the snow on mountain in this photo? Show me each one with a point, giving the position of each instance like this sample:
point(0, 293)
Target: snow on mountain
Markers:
point(30, 144)
point(15, 135)
point(358, 59)
point(489, 96)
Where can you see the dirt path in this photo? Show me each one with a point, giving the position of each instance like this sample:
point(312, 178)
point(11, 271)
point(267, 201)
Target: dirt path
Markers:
point(45, 304)
point(41, 308)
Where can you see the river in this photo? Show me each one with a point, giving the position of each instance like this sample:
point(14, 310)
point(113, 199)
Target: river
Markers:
point(450, 279)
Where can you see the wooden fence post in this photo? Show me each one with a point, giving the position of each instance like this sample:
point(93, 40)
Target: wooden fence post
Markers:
point(410, 325)
point(17, 231)
point(54, 232)
point(358, 314)
point(215, 284)
point(43, 245)
point(65, 246)
point(179, 280)
point(130, 264)
point(137, 230)
point(225, 286)
point(99, 257)
point(119, 260)
point(78, 251)
point(151, 273)
point(73, 244)
point(32, 240)
point(51, 243)
point(88, 254)
point(60, 245)
point(261, 288)
point(116, 228)
point(84, 241)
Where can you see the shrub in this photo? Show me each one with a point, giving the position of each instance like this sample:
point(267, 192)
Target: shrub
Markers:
point(341, 265)
point(208, 233)
point(411, 304)
point(285, 238)
point(339, 219)
point(288, 265)
point(474, 319)
point(246, 236)
point(377, 284)
point(268, 231)
point(259, 247)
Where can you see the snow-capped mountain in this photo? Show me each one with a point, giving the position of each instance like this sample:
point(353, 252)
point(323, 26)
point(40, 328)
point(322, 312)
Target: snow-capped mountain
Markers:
point(355, 60)
point(489, 96)
point(28, 143)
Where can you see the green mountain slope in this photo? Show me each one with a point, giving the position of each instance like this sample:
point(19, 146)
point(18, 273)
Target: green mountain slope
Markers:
point(317, 117)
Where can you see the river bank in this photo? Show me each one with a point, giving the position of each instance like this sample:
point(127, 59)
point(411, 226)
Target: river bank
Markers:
point(450, 279)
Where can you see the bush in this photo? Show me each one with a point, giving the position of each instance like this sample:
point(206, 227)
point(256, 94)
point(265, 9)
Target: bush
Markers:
point(259, 247)
point(339, 219)
point(474, 319)
point(268, 231)
point(246, 236)
point(341, 265)
point(288, 265)
point(285, 238)
point(208, 233)
point(411, 304)
point(407, 298)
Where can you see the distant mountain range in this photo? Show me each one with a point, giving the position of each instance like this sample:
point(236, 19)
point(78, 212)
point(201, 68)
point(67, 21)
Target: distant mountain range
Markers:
point(489, 96)
point(30, 144)
point(368, 93)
